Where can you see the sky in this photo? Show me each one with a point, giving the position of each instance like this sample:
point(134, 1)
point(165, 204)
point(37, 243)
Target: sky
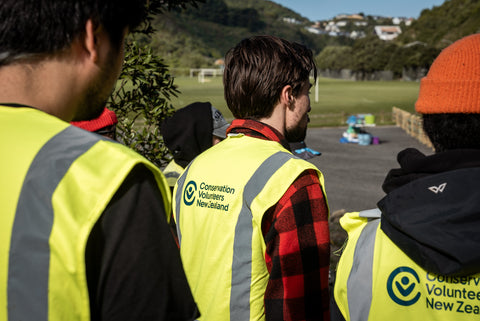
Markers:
point(326, 9)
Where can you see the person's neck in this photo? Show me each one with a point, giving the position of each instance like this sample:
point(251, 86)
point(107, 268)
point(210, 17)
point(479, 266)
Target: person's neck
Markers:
point(277, 119)
point(44, 85)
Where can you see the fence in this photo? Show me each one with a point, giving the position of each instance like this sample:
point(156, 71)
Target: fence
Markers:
point(412, 124)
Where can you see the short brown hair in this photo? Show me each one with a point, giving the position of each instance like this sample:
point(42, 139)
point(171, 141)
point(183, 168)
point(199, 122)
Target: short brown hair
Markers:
point(258, 68)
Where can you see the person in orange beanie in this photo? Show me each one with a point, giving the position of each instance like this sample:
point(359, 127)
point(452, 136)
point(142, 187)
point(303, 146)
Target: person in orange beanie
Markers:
point(416, 257)
point(105, 124)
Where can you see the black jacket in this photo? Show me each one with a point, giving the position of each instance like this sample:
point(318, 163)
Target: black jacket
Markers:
point(133, 266)
point(188, 132)
point(432, 210)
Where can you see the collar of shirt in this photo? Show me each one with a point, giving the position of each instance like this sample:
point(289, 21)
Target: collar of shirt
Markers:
point(253, 128)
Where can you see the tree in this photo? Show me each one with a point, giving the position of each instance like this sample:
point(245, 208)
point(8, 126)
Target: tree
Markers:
point(334, 58)
point(414, 56)
point(211, 10)
point(247, 17)
point(142, 96)
point(371, 54)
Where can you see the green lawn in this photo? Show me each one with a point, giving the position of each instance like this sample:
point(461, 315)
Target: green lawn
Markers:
point(337, 99)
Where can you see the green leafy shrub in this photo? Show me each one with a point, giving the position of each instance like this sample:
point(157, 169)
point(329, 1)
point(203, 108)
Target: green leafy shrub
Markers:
point(143, 93)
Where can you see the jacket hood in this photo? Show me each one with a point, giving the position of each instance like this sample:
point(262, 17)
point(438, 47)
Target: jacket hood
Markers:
point(432, 210)
point(188, 132)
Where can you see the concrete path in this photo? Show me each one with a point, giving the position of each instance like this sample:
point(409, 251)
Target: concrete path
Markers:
point(353, 173)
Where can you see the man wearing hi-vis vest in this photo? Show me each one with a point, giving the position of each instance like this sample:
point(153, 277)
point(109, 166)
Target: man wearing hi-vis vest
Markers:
point(416, 257)
point(251, 217)
point(83, 225)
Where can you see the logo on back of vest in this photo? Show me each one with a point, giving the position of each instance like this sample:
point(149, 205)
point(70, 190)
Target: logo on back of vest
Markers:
point(189, 193)
point(403, 286)
point(208, 196)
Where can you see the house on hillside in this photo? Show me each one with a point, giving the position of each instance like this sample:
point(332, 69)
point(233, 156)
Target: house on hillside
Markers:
point(356, 17)
point(349, 17)
point(220, 63)
point(399, 20)
point(361, 23)
point(315, 30)
point(387, 32)
point(332, 27)
point(357, 34)
point(292, 21)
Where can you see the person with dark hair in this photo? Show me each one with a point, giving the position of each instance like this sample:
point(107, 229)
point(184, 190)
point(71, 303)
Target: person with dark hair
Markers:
point(252, 218)
point(84, 221)
point(188, 132)
point(416, 256)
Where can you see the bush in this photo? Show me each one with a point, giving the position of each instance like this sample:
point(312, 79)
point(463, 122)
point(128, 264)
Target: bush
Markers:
point(142, 97)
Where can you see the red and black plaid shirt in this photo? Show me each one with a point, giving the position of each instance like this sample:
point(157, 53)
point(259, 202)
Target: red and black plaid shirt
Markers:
point(298, 244)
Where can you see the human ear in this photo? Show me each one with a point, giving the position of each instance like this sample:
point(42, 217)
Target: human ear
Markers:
point(90, 40)
point(286, 96)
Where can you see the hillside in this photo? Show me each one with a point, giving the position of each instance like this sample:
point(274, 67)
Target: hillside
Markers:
point(197, 37)
point(442, 25)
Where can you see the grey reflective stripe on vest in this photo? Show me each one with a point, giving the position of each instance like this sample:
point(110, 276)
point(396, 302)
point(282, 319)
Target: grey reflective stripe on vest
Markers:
point(178, 200)
point(373, 213)
point(171, 175)
point(242, 247)
point(28, 268)
point(359, 284)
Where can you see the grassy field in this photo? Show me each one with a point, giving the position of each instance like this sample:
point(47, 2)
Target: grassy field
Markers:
point(337, 99)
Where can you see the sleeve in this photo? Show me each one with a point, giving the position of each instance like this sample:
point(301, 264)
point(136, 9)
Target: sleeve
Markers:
point(134, 271)
point(298, 253)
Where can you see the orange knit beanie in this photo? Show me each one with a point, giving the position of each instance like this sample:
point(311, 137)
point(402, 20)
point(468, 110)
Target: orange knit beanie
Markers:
point(452, 84)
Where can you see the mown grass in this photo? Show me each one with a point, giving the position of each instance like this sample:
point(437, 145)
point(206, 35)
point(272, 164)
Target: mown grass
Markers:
point(337, 99)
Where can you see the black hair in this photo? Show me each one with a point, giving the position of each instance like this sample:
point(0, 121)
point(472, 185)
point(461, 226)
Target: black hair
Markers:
point(452, 131)
point(33, 27)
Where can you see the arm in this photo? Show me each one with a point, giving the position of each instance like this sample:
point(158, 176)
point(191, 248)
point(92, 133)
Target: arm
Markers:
point(298, 253)
point(139, 275)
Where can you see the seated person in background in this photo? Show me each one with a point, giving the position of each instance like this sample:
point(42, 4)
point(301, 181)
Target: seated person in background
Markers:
point(105, 124)
point(190, 131)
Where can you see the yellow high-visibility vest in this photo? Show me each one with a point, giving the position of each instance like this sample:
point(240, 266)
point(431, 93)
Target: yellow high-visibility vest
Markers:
point(377, 281)
point(56, 181)
point(219, 203)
